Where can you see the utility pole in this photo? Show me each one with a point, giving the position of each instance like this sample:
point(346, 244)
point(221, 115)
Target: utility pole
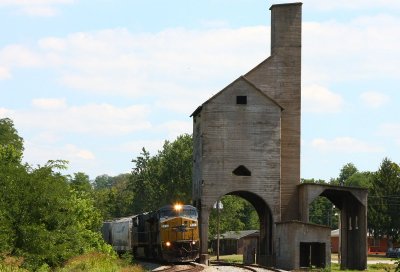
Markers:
point(218, 230)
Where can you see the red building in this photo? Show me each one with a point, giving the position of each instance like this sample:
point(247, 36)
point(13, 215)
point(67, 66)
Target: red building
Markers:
point(375, 245)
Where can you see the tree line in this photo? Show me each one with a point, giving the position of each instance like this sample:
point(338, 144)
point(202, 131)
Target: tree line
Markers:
point(383, 209)
point(47, 217)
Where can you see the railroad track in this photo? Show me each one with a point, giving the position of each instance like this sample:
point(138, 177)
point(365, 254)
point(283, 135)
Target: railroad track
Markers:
point(187, 267)
point(254, 268)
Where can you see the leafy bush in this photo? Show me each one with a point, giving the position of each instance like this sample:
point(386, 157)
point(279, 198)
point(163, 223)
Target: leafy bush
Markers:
point(98, 262)
point(45, 219)
point(11, 264)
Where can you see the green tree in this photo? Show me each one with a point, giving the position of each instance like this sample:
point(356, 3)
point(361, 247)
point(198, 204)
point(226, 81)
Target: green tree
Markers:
point(229, 216)
point(176, 169)
point(345, 173)
point(145, 183)
point(81, 183)
point(9, 136)
point(11, 170)
point(165, 178)
point(350, 176)
point(359, 179)
point(43, 219)
point(114, 198)
point(321, 210)
point(384, 201)
point(250, 217)
point(102, 182)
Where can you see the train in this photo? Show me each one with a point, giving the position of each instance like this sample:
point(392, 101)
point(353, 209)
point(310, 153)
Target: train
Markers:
point(169, 234)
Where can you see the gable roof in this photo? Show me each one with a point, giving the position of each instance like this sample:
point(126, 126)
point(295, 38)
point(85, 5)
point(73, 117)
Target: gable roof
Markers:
point(224, 89)
point(236, 235)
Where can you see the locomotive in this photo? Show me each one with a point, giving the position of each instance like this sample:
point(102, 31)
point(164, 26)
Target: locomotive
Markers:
point(170, 234)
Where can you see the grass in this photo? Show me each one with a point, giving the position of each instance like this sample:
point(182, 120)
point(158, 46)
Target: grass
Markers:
point(371, 257)
point(11, 264)
point(91, 262)
point(229, 258)
point(379, 267)
point(99, 262)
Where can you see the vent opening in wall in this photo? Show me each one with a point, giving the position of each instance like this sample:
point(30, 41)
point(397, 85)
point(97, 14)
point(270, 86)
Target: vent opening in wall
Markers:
point(241, 171)
point(241, 99)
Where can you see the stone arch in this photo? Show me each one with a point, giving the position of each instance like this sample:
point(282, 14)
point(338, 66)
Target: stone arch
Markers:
point(267, 223)
point(352, 203)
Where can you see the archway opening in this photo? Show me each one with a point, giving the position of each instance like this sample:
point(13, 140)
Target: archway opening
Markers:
point(322, 212)
point(245, 229)
point(352, 234)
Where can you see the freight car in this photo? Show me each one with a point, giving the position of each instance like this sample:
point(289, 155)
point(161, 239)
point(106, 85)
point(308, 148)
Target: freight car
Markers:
point(170, 234)
point(118, 233)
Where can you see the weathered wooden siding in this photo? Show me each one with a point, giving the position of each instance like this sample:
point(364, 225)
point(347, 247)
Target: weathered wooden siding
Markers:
point(258, 135)
point(234, 135)
point(197, 160)
point(280, 78)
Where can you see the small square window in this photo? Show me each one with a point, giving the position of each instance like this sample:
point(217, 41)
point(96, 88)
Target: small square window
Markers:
point(241, 99)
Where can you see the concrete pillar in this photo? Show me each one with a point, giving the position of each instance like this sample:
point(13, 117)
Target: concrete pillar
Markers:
point(203, 223)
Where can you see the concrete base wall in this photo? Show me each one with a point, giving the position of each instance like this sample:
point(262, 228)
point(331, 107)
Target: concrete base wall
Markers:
point(289, 237)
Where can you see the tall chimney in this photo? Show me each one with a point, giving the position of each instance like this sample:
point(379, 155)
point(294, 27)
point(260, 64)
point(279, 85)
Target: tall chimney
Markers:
point(285, 27)
point(279, 77)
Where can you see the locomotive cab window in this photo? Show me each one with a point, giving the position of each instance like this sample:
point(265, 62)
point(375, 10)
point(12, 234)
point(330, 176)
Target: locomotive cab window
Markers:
point(241, 99)
point(186, 211)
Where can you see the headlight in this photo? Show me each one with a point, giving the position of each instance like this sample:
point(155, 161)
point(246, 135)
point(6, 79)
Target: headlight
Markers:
point(164, 225)
point(193, 225)
point(178, 207)
point(168, 244)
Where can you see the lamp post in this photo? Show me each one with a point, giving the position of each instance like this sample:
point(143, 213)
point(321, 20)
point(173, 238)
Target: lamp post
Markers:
point(218, 205)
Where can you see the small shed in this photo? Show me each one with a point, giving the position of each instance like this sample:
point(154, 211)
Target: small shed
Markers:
point(235, 242)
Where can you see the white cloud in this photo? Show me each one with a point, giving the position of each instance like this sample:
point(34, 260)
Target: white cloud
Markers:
point(6, 113)
point(84, 154)
point(345, 4)
point(52, 43)
point(366, 47)
point(319, 99)
point(374, 99)
point(169, 63)
point(176, 61)
point(135, 147)
point(171, 130)
point(4, 73)
point(391, 130)
point(33, 2)
point(49, 103)
point(48, 137)
point(40, 11)
point(97, 119)
point(176, 128)
point(42, 8)
point(344, 145)
point(19, 56)
point(80, 159)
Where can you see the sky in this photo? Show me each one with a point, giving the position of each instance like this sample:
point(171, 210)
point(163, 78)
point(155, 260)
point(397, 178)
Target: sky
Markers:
point(93, 82)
